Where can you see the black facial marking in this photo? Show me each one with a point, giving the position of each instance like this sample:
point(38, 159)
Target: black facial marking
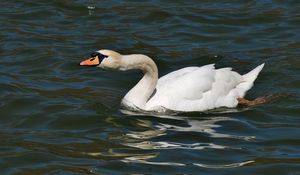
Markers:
point(94, 54)
point(100, 56)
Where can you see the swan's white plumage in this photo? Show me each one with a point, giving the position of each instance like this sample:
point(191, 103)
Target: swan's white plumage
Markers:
point(187, 89)
point(201, 88)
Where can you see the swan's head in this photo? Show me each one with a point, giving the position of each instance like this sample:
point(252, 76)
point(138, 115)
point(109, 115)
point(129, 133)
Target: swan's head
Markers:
point(103, 58)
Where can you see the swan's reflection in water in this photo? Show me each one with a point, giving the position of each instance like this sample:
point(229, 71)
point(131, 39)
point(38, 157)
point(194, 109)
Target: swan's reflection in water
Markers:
point(159, 140)
point(205, 126)
point(147, 139)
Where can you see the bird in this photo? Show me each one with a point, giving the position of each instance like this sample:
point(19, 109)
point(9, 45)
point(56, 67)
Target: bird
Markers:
point(189, 89)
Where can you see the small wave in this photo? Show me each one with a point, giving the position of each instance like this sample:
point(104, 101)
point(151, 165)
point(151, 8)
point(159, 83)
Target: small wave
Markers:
point(143, 159)
point(172, 145)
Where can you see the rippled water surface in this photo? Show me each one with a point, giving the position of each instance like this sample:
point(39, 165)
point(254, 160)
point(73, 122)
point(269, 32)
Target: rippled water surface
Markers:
point(59, 118)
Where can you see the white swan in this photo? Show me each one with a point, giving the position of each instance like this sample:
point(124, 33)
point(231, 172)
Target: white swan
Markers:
point(187, 89)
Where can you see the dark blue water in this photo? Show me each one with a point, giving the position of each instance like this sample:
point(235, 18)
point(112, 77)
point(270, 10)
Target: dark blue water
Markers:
point(59, 118)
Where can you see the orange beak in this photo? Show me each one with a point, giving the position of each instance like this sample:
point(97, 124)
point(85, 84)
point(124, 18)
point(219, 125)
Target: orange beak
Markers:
point(94, 61)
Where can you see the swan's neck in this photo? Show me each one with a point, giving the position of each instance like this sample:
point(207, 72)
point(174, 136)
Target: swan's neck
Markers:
point(141, 92)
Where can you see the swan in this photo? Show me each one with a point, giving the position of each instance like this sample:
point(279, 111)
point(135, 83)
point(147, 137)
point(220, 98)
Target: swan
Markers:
point(188, 89)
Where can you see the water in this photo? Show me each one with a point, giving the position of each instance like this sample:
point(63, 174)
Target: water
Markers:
point(59, 118)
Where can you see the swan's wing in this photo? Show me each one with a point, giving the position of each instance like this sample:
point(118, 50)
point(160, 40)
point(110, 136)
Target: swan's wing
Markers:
point(196, 78)
point(192, 85)
point(185, 84)
point(194, 88)
point(174, 75)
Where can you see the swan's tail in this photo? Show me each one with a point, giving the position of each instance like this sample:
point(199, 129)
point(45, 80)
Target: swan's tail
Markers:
point(249, 79)
point(252, 75)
